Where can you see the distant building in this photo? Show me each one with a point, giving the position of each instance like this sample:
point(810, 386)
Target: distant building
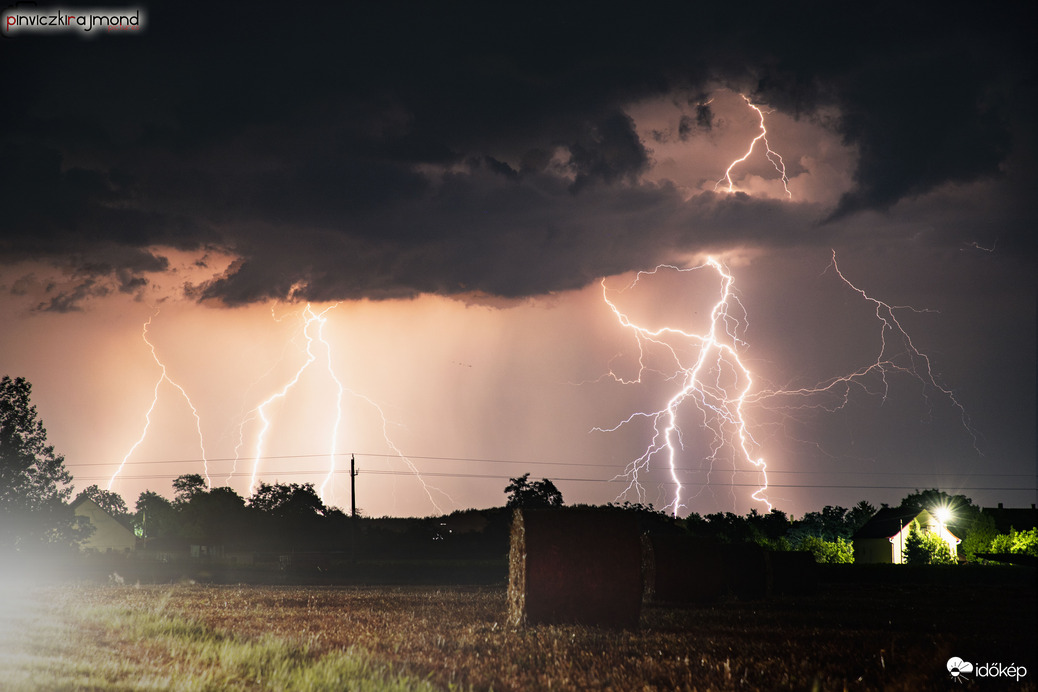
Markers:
point(883, 537)
point(1017, 518)
point(108, 535)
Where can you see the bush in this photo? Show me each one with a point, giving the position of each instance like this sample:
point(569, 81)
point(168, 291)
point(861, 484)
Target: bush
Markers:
point(1016, 542)
point(1026, 542)
point(978, 537)
point(925, 548)
point(839, 551)
point(1002, 543)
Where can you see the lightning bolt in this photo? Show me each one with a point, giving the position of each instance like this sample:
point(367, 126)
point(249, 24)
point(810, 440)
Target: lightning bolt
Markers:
point(313, 331)
point(407, 461)
point(714, 380)
point(163, 377)
point(835, 393)
point(769, 153)
point(334, 442)
point(310, 318)
point(977, 246)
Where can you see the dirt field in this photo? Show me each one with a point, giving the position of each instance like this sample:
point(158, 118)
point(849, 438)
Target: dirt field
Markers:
point(895, 634)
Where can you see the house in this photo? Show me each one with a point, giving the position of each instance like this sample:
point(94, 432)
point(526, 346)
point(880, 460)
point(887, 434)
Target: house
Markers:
point(883, 537)
point(108, 535)
point(1007, 518)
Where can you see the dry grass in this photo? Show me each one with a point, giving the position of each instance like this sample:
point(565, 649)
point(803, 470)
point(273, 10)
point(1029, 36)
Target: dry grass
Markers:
point(111, 639)
point(848, 637)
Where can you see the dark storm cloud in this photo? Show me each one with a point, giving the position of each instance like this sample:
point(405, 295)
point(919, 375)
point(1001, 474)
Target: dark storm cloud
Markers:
point(609, 151)
point(383, 150)
point(52, 208)
point(85, 277)
point(933, 142)
point(485, 231)
point(71, 299)
point(704, 121)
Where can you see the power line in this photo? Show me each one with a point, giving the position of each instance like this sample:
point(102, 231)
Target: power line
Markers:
point(441, 474)
point(359, 454)
point(415, 457)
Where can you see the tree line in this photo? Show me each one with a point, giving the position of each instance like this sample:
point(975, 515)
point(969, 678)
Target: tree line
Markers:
point(36, 513)
point(826, 534)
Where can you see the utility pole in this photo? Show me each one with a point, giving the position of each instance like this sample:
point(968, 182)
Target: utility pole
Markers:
point(353, 488)
point(353, 510)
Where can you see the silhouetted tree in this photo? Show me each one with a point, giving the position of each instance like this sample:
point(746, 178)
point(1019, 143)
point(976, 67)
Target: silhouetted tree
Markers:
point(829, 524)
point(650, 519)
point(769, 530)
point(695, 524)
point(155, 516)
point(728, 527)
point(187, 486)
point(292, 517)
point(522, 493)
point(34, 483)
point(859, 514)
point(213, 517)
point(927, 499)
point(287, 500)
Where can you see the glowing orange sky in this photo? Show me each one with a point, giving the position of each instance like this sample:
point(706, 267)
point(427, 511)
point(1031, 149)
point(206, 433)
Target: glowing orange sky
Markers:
point(456, 381)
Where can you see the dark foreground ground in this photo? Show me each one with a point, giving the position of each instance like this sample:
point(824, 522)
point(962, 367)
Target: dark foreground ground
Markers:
point(892, 628)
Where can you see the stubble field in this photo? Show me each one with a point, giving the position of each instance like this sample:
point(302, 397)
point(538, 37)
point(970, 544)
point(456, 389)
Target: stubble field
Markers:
point(891, 634)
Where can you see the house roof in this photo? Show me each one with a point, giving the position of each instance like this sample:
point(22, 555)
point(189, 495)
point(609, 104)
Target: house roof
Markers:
point(1020, 519)
point(888, 522)
point(83, 500)
point(79, 501)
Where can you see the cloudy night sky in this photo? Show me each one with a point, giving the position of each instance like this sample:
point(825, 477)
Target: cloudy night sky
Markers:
point(459, 191)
